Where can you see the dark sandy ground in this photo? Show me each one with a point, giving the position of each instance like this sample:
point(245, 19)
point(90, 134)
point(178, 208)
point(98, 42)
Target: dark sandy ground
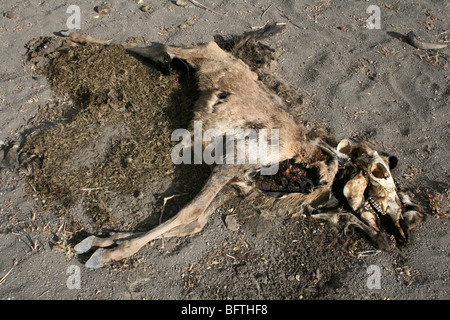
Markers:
point(359, 83)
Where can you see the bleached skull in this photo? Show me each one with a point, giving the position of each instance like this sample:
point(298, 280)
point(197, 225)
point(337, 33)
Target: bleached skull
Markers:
point(372, 195)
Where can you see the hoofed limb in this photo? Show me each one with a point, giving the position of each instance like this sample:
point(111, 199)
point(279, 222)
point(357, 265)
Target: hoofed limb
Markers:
point(191, 219)
point(343, 220)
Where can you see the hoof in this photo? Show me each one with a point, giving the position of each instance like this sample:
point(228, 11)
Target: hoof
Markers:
point(95, 261)
point(85, 245)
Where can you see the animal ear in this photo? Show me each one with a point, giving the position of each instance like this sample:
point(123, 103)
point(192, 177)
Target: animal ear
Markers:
point(344, 147)
point(393, 160)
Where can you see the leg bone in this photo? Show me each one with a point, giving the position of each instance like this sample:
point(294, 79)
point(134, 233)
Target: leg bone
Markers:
point(191, 219)
point(347, 219)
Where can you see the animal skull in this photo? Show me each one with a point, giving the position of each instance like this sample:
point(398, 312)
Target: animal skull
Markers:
point(372, 195)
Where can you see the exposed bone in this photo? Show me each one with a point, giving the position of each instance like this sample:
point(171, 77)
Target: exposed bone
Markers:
point(368, 253)
point(412, 219)
point(371, 219)
point(354, 191)
point(413, 215)
point(342, 158)
point(412, 39)
point(375, 195)
point(344, 147)
point(343, 220)
point(384, 192)
point(86, 39)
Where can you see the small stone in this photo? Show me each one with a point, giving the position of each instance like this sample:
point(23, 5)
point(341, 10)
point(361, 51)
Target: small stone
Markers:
point(181, 3)
point(232, 223)
point(146, 8)
point(10, 15)
point(103, 9)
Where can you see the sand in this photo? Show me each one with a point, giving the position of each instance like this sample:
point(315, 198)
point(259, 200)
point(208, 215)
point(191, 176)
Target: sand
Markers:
point(357, 82)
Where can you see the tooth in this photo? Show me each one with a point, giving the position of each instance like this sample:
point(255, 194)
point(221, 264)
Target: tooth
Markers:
point(375, 206)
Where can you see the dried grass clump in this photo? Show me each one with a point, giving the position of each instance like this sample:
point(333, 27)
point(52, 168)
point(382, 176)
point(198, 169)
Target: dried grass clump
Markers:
point(119, 139)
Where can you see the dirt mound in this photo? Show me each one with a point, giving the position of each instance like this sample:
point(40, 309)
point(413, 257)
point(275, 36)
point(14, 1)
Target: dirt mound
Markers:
point(288, 259)
point(115, 139)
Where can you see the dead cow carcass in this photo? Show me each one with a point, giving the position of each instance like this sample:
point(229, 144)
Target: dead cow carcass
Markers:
point(344, 183)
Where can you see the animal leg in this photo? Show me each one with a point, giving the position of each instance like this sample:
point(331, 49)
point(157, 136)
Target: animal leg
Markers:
point(412, 215)
point(346, 219)
point(180, 231)
point(197, 225)
point(190, 219)
point(97, 242)
point(163, 53)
